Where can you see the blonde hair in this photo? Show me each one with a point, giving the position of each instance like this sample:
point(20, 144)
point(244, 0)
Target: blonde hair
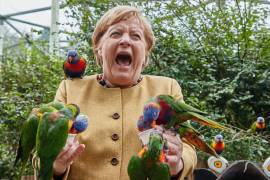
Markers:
point(116, 15)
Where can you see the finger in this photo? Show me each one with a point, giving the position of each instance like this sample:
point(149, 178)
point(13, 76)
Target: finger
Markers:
point(76, 152)
point(64, 151)
point(173, 139)
point(172, 161)
point(175, 164)
point(170, 132)
point(159, 128)
point(174, 149)
point(65, 155)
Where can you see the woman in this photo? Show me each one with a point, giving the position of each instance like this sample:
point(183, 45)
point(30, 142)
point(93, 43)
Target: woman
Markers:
point(114, 100)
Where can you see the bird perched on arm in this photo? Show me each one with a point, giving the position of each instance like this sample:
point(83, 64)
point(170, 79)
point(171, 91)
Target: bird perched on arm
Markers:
point(74, 66)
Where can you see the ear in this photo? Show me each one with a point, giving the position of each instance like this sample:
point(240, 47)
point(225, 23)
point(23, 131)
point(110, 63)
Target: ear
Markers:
point(99, 52)
point(145, 62)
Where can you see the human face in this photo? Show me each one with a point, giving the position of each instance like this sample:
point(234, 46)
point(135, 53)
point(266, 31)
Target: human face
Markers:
point(123, 52)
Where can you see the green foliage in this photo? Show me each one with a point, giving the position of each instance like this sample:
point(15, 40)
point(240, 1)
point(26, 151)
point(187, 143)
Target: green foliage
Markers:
point(26, 81)
point(219, 54)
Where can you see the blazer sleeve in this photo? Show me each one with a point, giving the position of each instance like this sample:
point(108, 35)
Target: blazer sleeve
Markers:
point(176, 90)
point(189, 154)
point(61, 94)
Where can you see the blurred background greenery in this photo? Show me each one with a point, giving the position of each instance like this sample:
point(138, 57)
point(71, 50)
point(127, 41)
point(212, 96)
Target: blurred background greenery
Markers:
point(219, 53)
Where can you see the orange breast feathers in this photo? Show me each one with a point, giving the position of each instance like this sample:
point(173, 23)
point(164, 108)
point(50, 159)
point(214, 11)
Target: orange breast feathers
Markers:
point(260, 125)
point(76, 67)
point(219, 147)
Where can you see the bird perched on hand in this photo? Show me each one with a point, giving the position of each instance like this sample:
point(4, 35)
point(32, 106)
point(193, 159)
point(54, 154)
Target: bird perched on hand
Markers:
point(51, 137)
point(28, 135)
point(74, 66)
point(172, 113)
point(150, 161)
point(258, 125)
point(164, 110)
point(218, 144)
point(150, 114)
point(46, 129)
point(79, 124)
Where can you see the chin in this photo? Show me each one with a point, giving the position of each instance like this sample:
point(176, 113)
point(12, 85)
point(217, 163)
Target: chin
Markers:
point(123, 80)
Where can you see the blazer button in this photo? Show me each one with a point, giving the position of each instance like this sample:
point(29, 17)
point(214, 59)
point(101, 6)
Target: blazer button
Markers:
point(115, 116)
point(114, 161)
point(115, 137)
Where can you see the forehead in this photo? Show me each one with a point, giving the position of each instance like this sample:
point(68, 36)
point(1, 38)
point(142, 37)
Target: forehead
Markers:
point(131, 24)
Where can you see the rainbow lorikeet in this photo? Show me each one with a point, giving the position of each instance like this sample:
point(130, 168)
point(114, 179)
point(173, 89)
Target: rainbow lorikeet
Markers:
point(40, 128)
point(258, 125)
point(28, 135)
point(57, 105)
point(218, 144)
point(51, 137)
point(164, 110)
point(79, 124)
point(149, 163)
point(150, 114)
point(172, 113)
point(74, 66)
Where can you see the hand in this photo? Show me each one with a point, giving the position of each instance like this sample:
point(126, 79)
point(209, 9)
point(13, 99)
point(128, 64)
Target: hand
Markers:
point(66, 157)
point(175, 149)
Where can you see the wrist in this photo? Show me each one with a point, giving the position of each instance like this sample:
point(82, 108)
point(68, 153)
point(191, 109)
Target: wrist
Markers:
point(178, 169)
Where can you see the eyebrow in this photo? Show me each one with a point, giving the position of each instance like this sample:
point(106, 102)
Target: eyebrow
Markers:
point(132, 29)
point(136, 30)
point(113, 28)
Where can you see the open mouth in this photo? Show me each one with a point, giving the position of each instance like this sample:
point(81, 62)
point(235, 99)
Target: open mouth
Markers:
point(123, 59)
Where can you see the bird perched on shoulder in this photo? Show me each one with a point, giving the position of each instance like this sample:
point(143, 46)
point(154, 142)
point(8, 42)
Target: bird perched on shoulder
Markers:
point(218, 144)
point(258, 125)
point(74, 66)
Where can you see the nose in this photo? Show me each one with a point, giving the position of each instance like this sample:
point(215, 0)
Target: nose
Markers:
point(125, 40)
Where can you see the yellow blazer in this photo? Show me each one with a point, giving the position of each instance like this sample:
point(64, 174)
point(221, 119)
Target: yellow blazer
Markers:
point(112, 136)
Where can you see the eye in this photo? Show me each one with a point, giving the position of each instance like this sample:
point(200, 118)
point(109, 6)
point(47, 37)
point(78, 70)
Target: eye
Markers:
point(115, 34)
point(136, 37)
